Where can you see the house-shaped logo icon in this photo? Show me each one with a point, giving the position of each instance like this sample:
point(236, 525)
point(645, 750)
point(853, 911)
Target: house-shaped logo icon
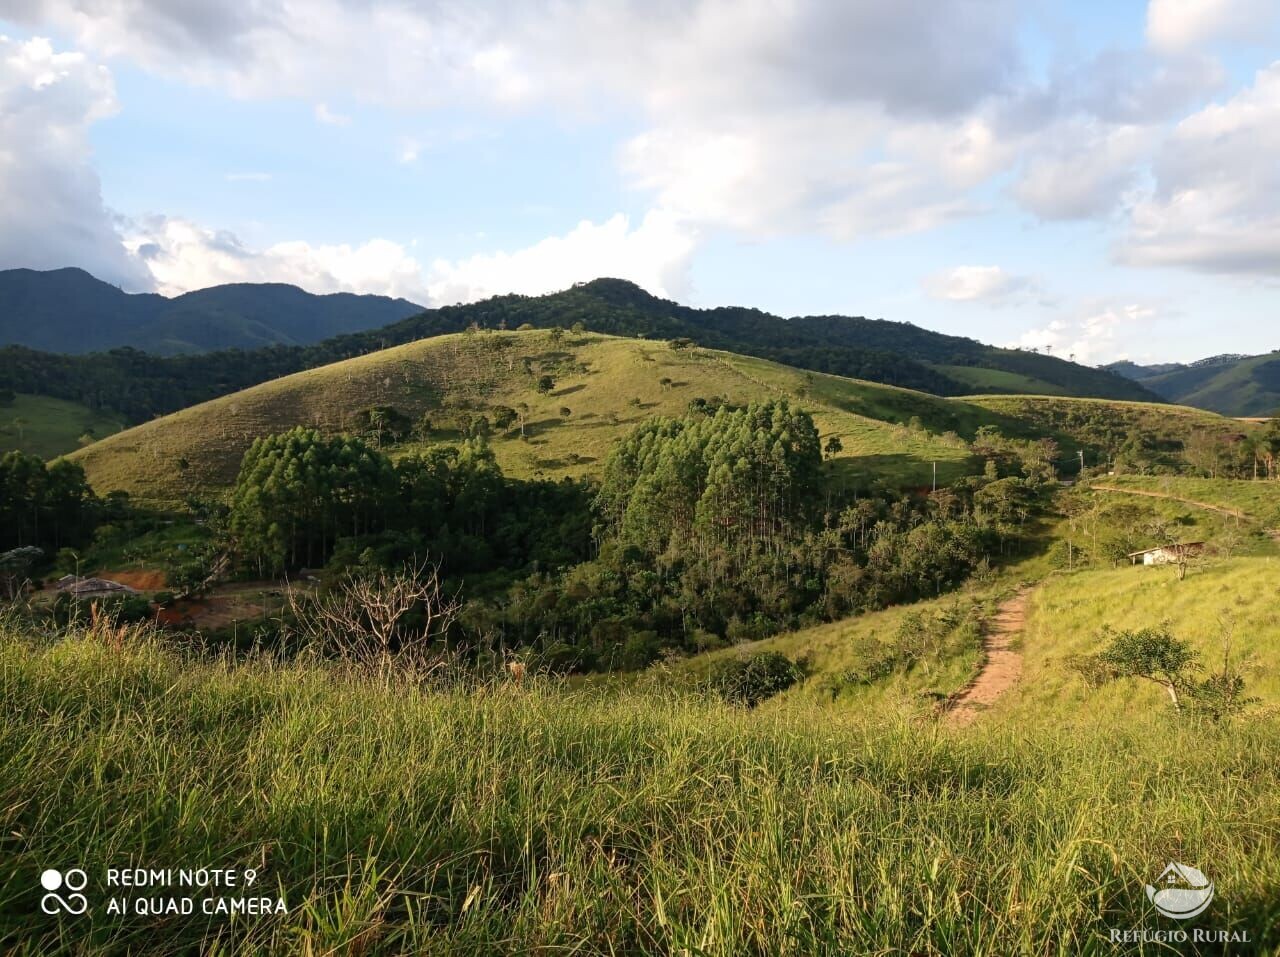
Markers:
point(1181, 891)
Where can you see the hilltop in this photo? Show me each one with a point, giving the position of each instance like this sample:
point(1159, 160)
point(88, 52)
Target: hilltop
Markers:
point(138, 386)
point(601, 387)
point(69, 311)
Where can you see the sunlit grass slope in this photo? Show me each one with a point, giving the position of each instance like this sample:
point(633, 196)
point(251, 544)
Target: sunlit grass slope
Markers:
point(1001, 380)
point(606, 384)
point(1080, 419)
point(1239, 597)
point(861, 661)
point(1258, 500)
point(40, 425)
point(398, 820)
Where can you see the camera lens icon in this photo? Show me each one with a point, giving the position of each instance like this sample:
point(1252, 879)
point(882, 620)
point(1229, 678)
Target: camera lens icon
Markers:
point(72, 881)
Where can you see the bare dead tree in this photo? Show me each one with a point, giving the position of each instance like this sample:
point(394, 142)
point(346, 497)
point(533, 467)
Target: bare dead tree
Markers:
point(363, 619)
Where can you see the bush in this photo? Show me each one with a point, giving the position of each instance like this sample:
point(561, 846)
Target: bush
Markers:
point(640, 650)
point(748, 681)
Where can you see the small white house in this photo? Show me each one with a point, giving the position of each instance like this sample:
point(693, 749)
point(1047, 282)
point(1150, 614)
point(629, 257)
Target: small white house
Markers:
point(1166, 554)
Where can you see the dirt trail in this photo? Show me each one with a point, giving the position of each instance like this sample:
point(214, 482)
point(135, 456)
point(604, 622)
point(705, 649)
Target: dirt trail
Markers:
point(1001, 668)
point(1233, 512)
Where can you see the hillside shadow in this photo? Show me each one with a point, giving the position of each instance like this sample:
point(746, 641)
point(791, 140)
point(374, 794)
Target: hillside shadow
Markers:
point(569, 390)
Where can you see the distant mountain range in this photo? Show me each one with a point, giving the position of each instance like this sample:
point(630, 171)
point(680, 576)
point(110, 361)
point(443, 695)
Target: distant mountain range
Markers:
point(1230, 384)
point(69, 311)
point(170, 373)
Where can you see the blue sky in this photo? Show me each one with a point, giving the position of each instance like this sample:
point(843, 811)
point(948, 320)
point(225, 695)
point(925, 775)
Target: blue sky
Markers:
point(1098, 179)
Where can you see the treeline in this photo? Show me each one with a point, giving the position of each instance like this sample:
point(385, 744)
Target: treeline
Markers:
point(45, 506)
point(303, 499)
point(724, 527)
point(140, 386)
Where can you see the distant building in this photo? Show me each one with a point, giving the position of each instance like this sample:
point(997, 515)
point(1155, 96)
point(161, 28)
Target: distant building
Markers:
point(1166, 554)
point(92, 587)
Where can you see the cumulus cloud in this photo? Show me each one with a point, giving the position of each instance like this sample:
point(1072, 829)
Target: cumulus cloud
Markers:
point(1216, 202)
point(991, 285)
point(1094, 334)
point(51, 208)
point(182, 256)
point(1081, 169)
point(655, 255)
point(1182, 24)
point(933, 56)
point(847, 118)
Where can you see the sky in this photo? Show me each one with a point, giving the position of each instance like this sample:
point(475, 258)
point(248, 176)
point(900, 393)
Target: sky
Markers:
point(1096, 179)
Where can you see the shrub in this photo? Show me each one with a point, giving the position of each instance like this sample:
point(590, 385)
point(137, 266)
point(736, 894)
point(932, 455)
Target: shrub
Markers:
point(748, 681)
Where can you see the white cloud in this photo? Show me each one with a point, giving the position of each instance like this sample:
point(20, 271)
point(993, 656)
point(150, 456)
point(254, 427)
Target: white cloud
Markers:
point(51, 208)
point(1216, 202)
point(408, 150)
point(1081, 168)
point(655, 255)
point(183, 256)
point(328, 117)
point(1183, 24)
point(986, 284)
point(849, 118)
point(1097, 333)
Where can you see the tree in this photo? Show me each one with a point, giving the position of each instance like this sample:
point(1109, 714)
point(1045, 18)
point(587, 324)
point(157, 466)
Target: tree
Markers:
point(47, 506)
point(298, 491)
point(833, 447)
point(1153, 654)
point(1150, 654)
point(377, 616)
point(546, 384)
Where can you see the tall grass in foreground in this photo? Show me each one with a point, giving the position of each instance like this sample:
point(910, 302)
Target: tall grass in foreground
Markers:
point(401, 820)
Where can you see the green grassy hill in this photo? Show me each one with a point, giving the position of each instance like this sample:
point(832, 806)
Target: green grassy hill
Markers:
point(1105, 425)
point(1258, 500)
point(1068, 612)
point(1248, 386)
point(1231, 384)
point(606, 384)
point(142, 386)
point(394, 818)
point(39, 425)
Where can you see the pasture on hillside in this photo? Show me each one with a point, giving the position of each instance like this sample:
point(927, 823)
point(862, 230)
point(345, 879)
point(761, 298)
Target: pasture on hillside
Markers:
point(392, 815)
point(600, 388)
point(39, 425)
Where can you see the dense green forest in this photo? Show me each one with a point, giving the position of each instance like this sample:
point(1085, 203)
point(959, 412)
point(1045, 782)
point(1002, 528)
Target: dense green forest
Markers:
point(44, 506)
point(140, 385)
point(303, 499)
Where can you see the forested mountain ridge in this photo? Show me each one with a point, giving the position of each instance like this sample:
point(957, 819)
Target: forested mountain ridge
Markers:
point(1227, 384)
point(69, 311)
point(140, 386)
